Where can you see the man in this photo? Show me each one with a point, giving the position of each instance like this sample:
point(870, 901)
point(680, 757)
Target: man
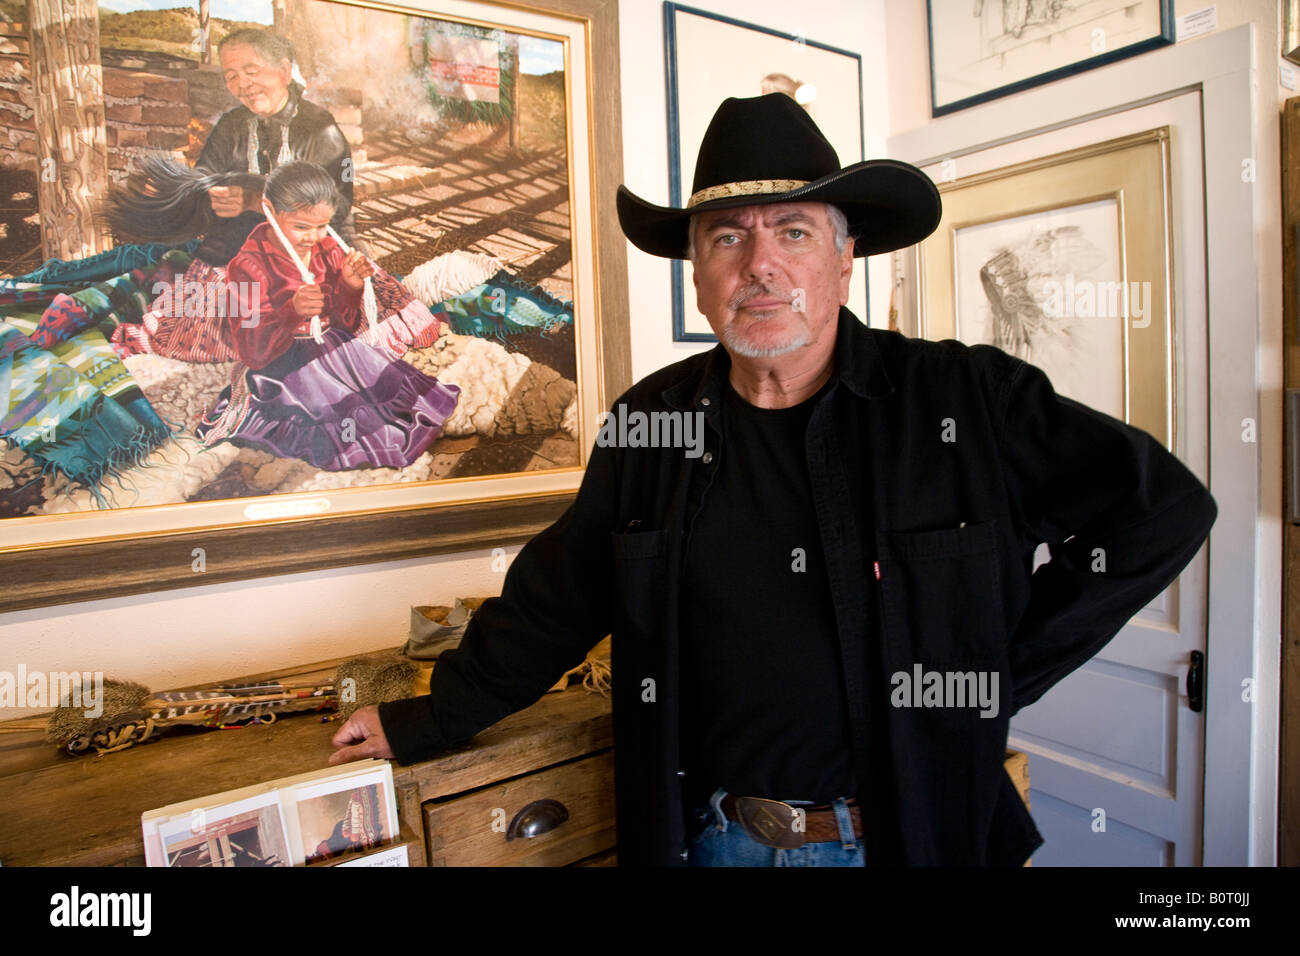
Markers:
point(272, 125)
point(864, 506)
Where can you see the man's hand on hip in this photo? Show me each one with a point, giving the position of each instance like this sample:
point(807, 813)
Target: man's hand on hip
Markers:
point(361, 737)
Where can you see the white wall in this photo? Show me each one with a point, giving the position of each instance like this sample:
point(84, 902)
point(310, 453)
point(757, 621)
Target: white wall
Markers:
point(200, 634)
point(175, 638)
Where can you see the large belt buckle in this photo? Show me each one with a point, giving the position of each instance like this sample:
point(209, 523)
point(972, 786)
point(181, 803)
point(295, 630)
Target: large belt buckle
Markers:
point(771, 822)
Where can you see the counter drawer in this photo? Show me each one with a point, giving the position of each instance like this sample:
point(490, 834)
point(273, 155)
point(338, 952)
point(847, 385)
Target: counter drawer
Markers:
point(474, 829)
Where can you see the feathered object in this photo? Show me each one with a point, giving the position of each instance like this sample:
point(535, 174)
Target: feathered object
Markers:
point(132, 715)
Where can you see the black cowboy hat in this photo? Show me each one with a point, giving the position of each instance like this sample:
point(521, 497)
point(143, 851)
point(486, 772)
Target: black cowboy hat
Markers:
point(767, 149)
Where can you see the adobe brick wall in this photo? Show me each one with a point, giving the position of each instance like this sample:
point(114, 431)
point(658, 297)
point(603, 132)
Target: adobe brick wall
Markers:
point(143, 111)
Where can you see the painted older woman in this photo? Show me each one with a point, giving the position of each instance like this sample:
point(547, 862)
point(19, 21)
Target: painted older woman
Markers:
point(272, 125)
point(220, 199)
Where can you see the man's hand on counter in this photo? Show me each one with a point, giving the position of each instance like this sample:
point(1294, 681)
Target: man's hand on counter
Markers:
point(361, 737)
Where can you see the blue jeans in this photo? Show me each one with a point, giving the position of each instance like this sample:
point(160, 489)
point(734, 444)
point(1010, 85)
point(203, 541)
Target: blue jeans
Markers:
point(724, 842)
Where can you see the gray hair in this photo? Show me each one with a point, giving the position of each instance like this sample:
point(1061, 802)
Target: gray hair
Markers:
point(300, 185)
point(839, 227)
point(270, 46)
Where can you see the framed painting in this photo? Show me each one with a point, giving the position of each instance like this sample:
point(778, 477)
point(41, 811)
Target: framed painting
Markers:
point(1291, 30)
point(292, 284)
point(712, 57)
point(1065, 262)
point(983, 49)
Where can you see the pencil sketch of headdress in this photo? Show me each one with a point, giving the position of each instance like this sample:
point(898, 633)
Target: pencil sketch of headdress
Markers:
point(1013, 279)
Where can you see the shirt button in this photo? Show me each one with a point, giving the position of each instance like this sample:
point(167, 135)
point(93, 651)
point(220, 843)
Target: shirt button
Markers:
point(685, 855)
point(708, 457)
point(681, 773)
point(705, 401)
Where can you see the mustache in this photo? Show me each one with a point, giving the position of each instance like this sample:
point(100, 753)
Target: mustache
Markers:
point(756, 290)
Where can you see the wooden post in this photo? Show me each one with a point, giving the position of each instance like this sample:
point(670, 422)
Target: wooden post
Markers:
point(514, 94)
point(71, 146)
point(205, 31)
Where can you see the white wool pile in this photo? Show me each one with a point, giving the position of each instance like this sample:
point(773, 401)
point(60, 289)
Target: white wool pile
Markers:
point(484, 372)
point(450, 274)
point(502, 394)
point(313, 479)
point(180, 392)
point(174, 472)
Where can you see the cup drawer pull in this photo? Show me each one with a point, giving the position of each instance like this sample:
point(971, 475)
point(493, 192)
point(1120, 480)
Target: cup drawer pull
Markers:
point(540, 816)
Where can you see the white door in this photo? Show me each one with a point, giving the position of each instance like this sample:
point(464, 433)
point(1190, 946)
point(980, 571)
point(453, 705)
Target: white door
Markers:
point(1116, 754)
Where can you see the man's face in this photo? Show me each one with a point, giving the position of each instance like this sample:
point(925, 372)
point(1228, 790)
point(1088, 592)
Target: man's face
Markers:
point(262, 87)
point(768, 278)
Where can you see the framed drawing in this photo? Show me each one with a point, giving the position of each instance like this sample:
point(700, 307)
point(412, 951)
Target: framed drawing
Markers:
point(1065, 262)
point(983, 49)
point(171, 412)
point(712, 57)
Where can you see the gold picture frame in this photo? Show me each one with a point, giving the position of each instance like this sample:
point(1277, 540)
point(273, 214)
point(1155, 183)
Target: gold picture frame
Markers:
point(1066, 261)
point(57, 559)
point(1291, 30)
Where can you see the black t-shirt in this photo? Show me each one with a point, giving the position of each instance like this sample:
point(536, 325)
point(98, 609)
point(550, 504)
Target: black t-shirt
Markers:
point(764, 709)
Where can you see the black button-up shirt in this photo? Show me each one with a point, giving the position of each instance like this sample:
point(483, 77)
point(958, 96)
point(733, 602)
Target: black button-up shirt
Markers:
point(936, 471)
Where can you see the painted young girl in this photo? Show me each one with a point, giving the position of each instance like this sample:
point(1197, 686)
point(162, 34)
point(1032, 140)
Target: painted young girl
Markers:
point(305, 386)
point(168, 202)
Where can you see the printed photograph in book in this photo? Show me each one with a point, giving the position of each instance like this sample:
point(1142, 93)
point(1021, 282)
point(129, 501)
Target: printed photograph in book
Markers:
point(249, 832)
point(334, 823)
point(267, 247)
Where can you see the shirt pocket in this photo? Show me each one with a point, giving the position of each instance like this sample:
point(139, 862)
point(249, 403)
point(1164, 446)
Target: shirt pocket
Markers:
point(640, 581)
point(941, 595)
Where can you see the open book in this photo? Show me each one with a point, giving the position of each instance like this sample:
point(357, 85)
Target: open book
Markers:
point(287, 822)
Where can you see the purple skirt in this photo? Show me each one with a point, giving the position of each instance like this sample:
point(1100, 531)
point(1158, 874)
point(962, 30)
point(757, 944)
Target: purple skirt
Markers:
point(338, 405)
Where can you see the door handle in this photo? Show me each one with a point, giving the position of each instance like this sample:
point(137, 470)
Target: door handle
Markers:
point(1196, 683)
point(540, 816)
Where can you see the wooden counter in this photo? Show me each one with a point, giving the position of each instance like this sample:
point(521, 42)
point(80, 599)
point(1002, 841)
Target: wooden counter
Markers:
point(85, 811)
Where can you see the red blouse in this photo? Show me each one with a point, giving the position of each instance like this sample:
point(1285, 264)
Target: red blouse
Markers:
point(264, 279)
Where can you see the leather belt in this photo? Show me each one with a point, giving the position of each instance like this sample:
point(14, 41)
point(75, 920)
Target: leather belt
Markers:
point(778, 824)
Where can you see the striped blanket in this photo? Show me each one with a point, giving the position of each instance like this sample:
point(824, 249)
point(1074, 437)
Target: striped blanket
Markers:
point(66, 398)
